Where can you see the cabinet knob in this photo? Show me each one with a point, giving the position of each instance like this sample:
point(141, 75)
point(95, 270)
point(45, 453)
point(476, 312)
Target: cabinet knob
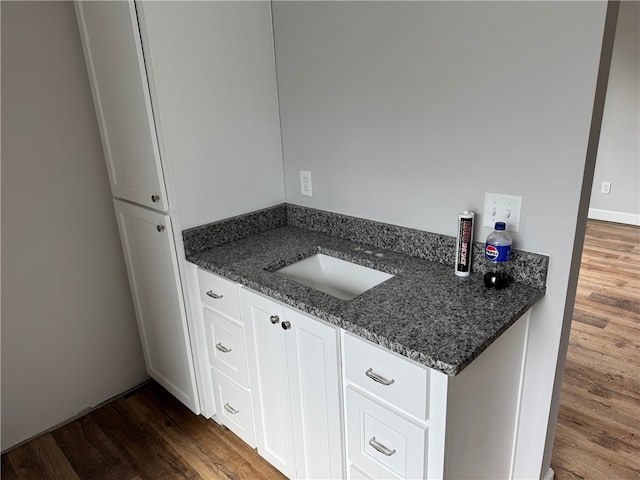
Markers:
point(274, 319)
point(160, 228)
point(286, 325)
point(155, 198)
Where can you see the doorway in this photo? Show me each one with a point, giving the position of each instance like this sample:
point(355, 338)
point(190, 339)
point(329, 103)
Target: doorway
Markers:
point(598, 424)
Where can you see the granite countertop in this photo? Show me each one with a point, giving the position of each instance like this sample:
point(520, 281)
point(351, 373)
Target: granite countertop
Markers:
point(424, 312)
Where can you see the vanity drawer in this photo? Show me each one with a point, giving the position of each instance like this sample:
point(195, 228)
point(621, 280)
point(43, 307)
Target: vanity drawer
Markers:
point(394, 379)
point(225, 345)
point(233, 405)
point(219, 293)
point(356, 474)
point(381, 442)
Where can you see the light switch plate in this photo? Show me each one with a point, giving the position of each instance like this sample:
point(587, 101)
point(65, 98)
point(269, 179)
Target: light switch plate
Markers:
point(502, 208)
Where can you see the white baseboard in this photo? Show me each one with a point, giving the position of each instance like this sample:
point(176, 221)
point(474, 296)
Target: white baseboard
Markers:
point(550, 475)
point(617, 217)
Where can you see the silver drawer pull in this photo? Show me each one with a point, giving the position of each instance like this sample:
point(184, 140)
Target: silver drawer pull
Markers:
point(274, 319)
point(232, 410)
point(214, 295)
point(374, 376)
point(222, 348)
point(378, 446)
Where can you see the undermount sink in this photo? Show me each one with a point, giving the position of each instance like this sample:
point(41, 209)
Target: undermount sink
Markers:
point(333, 276)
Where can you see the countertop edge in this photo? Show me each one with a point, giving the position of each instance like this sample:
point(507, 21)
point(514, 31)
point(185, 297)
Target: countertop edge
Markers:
point(364, 333)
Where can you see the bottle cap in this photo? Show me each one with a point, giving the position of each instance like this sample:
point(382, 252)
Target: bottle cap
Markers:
point(501, 226)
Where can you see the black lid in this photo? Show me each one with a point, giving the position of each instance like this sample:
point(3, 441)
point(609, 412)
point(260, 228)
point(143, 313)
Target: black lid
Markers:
point(501, 226)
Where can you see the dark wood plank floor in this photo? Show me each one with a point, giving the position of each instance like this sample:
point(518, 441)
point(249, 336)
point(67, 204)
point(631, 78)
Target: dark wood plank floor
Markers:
point(150, 435)
point(598, 432)
point(147, 434)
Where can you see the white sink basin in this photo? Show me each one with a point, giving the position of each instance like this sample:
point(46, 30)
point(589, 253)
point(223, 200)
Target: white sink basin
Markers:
point(331, 275)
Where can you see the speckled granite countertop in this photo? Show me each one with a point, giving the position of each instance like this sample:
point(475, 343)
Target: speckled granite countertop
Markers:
point(424, 312)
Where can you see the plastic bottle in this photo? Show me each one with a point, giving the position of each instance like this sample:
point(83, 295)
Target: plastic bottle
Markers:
point(497, 252)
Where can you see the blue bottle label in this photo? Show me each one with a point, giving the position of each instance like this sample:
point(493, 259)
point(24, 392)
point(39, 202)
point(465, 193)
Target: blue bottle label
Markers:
point(497, 253)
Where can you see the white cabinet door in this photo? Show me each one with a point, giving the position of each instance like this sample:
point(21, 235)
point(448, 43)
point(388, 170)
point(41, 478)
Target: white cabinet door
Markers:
point(113, 52)
point(314, 381)
point(147, 241)
point(294, 364)
point(269, 380)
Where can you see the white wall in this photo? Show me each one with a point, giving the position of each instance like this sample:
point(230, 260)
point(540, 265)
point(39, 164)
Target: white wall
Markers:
point(69, 338)
point(213, 84)
point(408, 112)
point(618, 158)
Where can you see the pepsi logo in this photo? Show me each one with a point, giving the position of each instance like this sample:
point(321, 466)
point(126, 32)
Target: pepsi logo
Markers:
point(491, 252)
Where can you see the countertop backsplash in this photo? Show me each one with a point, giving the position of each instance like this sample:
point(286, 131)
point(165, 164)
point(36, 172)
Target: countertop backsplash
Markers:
point(526, 267)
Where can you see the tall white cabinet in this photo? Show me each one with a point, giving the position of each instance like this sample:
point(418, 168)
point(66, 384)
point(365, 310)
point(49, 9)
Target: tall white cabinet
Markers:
point(115, 63)
point(186, 102)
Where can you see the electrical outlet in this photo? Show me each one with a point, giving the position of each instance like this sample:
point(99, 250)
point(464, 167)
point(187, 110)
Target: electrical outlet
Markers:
point(502, 208)
point(606, 188)
point(305, 183)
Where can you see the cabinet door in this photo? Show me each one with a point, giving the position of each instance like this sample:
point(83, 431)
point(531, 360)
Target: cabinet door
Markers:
point(268, 372)
point(113, 53)
point(314, 382)
point(147, 241)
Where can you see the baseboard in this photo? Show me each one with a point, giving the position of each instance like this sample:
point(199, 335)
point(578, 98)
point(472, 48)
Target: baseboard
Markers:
point(550, 475)
point(617, 217)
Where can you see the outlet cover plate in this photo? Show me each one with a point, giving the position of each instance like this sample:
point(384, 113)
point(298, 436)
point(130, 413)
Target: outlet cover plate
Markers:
point(502, 208)
point(306, 188)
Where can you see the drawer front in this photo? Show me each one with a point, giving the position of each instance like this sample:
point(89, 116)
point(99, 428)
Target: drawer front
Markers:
point(225, 345)
point(384, 444)
point(356, 474)
point(219, 293)
point(386, 375)
point(234, 407)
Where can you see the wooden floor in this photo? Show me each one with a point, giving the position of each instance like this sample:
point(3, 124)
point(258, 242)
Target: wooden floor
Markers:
point(598, 432)
point(145, 435)
point(150, 435)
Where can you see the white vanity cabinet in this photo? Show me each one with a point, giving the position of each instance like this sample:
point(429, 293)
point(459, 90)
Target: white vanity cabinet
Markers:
point(406, 421)
point(295, 372)
point(320, 402)
point(226, 354)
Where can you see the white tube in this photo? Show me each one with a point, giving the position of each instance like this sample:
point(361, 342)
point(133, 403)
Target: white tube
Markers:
point(464, 244)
